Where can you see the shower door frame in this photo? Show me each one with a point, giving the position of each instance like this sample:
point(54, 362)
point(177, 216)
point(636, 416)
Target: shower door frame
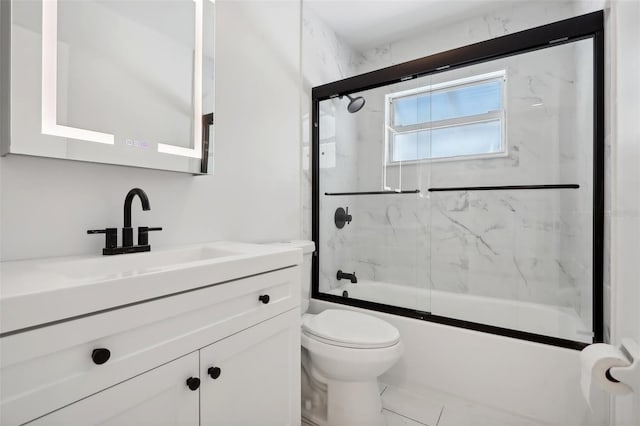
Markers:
point(589, 26)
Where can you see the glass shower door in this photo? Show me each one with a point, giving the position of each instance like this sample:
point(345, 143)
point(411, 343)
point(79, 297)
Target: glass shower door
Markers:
point(512, 213)
point(377, 255)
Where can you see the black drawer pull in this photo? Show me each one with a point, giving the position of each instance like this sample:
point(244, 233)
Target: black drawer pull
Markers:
point(264, 298)
point(214, 372)
point(100, 355)
point(193, 383)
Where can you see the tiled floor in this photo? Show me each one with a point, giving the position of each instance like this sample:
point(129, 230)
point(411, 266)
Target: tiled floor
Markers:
point(401, 407)
point(425, 407)
point(429, 408)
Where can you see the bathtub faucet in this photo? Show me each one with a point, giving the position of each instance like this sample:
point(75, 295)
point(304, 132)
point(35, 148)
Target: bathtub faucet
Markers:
point(351, 277)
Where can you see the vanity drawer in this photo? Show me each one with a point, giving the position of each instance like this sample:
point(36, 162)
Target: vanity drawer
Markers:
point(52, 366)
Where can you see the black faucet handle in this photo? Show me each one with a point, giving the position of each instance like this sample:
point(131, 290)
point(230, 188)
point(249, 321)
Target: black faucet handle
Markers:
point(143, 234)
point(348, 217)
point(111, 236)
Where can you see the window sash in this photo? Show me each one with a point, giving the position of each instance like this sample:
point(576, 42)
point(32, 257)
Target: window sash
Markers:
point(494, 115)
point(501, 151)
point(452, 122)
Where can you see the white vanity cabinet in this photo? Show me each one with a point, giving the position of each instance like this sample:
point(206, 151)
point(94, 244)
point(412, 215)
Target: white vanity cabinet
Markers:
point(157, 397)
point(248, 328)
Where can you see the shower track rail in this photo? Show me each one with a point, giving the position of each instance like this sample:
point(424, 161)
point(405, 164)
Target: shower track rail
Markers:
point(461, 188)
point(411, 191)
point(505, 188)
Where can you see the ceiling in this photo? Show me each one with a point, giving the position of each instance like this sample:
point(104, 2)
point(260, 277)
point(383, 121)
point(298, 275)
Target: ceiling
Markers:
point(366, 24)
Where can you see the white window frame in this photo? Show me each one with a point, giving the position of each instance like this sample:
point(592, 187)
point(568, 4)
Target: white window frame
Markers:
point(391, 130)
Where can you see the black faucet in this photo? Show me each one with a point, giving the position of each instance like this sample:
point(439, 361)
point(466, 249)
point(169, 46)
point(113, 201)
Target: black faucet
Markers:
point(111, 241)
point(351, 277)
point(127, 230)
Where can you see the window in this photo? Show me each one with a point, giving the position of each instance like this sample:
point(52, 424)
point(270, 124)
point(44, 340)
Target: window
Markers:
point(452, 120)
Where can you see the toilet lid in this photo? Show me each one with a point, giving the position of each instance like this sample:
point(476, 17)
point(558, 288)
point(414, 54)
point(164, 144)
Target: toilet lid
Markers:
point(351, 329)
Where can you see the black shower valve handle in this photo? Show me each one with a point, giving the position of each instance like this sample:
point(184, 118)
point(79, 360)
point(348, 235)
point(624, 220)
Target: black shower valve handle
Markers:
point(342, 217)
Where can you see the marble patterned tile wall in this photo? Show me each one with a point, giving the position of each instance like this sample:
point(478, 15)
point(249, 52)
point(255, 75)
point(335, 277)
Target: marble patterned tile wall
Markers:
point(326, 58)
point(512, 17)
point(503, 244)
point(580, 211)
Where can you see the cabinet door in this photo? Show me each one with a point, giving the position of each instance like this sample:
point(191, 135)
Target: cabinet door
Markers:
point(158, 397)
point(253, 377)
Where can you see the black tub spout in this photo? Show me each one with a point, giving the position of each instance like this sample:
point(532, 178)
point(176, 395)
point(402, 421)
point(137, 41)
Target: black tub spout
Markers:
point(351, 277)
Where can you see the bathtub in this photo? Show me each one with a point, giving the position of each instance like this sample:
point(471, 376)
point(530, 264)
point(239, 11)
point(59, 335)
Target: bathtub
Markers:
point(536, 318)
point(538, 381)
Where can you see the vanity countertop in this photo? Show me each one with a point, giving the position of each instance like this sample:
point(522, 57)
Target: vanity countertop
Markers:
point(40, 291)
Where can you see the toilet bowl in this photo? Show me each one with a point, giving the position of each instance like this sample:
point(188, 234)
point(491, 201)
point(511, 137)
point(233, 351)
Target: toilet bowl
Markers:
point(344, 352)
point(350, 346)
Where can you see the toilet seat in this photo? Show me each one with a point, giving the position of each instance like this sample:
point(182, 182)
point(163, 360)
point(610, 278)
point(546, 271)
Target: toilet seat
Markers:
point(350, 329)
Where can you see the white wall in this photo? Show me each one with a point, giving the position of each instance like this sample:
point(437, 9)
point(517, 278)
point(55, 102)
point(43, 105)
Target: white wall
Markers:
point(47, 205)
point(623, 212)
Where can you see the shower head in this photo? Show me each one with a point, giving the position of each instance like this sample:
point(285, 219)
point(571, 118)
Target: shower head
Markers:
point(355, 104)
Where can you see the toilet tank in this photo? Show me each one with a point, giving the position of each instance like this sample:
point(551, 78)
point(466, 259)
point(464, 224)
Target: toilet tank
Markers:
point(308, 247)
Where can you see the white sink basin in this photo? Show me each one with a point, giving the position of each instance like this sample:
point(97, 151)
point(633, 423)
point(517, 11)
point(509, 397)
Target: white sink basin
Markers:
point(136, 263)
point(38, 291)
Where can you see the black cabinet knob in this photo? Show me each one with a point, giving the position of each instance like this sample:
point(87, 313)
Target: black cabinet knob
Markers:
point(214, 372)
point(100, 355)
point(264, 298)
point(193, 383)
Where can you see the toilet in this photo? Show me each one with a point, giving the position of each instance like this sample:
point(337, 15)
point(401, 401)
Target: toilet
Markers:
point(343, 353)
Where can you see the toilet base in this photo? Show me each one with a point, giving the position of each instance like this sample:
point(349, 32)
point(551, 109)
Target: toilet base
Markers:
point(354, 403)
point(328, 402)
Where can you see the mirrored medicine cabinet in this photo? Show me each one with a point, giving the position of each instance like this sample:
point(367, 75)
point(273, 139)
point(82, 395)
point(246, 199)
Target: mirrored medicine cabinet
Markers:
point(127, 82)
